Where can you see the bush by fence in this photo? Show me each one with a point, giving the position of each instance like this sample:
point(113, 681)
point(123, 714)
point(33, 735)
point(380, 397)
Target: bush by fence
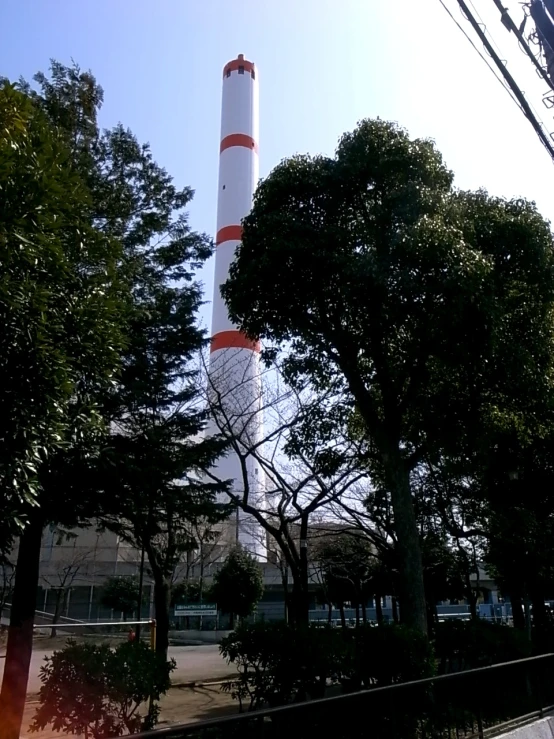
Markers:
point(96, 691)
point(279, 664)
point(462, 704)
point(466, 645)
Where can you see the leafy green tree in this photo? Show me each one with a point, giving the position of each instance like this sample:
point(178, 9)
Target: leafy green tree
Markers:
point(135, 201)
point(238, 585)
point(156, 456)
point(60, 307)
point(442, 573)
point(121, 594)
point(519, 528)
point(349, 567)
point(186, 591)
point(96, 691)
point(47, 306)
point(431, 306)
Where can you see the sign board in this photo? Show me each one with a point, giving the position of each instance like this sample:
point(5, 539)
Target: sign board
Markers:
point(196, 609)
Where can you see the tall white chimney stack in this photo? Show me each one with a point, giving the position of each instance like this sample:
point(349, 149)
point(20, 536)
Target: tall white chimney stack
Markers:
point(234, 359)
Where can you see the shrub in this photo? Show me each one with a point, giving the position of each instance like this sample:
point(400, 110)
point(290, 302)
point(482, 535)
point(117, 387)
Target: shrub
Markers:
point(121, 594)
point(96, 691)
point(386, 655)
point(278, 663)
point(464, 645)
point(238, 586)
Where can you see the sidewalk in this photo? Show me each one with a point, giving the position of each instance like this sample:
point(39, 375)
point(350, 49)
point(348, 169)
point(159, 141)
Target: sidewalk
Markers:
point(179, 706)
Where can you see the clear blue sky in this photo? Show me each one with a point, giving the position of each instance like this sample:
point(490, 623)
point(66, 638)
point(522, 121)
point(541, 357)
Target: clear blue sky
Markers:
point(323, 65)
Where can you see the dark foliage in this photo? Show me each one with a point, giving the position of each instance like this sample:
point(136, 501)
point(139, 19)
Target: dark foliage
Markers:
point(97, 691)
point(238, 585)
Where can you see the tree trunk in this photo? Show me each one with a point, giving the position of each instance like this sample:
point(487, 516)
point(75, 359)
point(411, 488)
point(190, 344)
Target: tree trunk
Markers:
point(411, 589)
point(394, 610)
point(285, 581)
point(379, 610)
point(539, 622)
point(342, 616)
point(300, 604)
point(162, 596)
point(471, 599)
point(517, 612)
point(364, 610)
point(303, 605)
point(330, 613)
point(357, 615)
point(58, 607)
point(432, 617)
point(539, 612)
point(20, 634)
point(139, 599)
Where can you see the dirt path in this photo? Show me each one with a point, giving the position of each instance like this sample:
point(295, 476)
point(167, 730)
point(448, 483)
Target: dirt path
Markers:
point(179, 706)
point(193, 663)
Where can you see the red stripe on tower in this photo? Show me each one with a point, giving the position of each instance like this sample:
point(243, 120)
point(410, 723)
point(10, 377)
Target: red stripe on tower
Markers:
point(233, 340)
point(228, 233)
point(240, 65)
point(238, 139)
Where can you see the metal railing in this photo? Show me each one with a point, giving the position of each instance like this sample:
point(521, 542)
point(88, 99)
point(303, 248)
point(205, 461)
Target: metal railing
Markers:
point(474, 703)
point(92, 625)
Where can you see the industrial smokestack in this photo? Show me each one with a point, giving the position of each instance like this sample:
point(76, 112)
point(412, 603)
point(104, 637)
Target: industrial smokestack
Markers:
point(234, 359)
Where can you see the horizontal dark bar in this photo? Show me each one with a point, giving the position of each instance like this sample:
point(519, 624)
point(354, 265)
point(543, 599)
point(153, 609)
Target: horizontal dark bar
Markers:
point(181, 730)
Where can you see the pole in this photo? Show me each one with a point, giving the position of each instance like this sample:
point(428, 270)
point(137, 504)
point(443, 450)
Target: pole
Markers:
point(153, 635)
point(509, 79)
point(141, 582)
point(507, 21)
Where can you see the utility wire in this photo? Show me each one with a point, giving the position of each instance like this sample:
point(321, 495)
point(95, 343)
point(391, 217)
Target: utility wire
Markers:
point(524, 105)
point(484, 58)
point(509, 79)
point(484, 26)
point(507, 21)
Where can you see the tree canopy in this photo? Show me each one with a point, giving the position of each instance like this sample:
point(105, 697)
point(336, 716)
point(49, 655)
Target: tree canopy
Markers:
point(107, 312)
point(59, 302)
point(122, 595)
point(238, 585)
point(432, 306)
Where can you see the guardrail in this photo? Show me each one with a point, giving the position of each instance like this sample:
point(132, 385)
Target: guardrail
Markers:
point(474, 703)
point(47, 614)
point(151, 623)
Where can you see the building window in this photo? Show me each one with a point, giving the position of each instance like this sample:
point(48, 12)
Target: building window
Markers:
point(253, 73)
point(228, 73)
point(241, 70)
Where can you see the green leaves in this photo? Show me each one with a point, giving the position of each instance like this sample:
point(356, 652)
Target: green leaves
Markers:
point(96, 691)
point(122, 595)
point(238, 586)
point(430, 310)
point(58, 310)
point(373, 267)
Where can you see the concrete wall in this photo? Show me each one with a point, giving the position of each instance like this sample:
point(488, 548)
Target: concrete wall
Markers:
point(206, 637)
point(541, 729)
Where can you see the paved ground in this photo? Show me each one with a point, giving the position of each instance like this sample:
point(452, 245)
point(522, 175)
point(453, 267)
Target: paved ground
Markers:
point(193, 663)
point(180, 705)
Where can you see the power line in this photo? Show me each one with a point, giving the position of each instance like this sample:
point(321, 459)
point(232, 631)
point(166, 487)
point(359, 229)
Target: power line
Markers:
point(507, 21)
point(483, 24)
point(484, 59)
point(514, 89)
